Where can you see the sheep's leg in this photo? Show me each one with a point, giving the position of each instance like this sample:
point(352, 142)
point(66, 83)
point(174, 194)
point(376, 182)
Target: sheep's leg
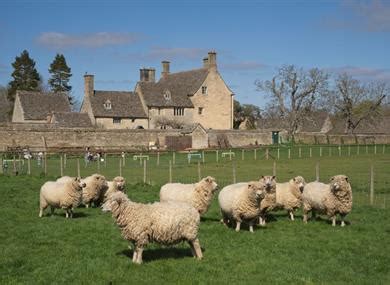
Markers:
point(333, 220)
point(139, 254)
point(198, 249)
point(135, 256)
point(342, 220)
point(71, 213)
point(238, 226)
point(305, 216)
point(291, 215)
point(262, 221)
point(313, 215)
point(192, 248)
point(40, 212)
point(251, 226)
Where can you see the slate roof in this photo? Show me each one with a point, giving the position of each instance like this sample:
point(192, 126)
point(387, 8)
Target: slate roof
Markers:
point(37, 105)
point(4, 107)
point(314, 122)
point(71, 120)
point(123, 104)
point(180, 85)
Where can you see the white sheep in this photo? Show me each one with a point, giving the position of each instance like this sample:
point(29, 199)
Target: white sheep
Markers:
point(93, 192)
point(241, 202)
point(117, 184)
point(330, 199)
point(289, 195)
point(268, 203)
point(199, 195)
point(61, 195)
point(165, 223)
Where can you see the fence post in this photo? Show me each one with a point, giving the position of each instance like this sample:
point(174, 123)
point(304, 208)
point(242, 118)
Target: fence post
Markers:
point(78, 167)
point(366, 149)
point(318, 171)
point(158, 158)
point(383, 149)
point(120, 166)
point(144, 171)
point(320, 151)
point(230, 154)
point(375, 149)
point(349, 150)
point(14, 164)
point(174, 158)
point(28, 166)
point(255, 154)
point(300, 152)
point(98, 164)
point(216, 155)
point(124, 159)
point(310, 152)
point(274, 169)
point(242, 154)
point(234, 172)
point(289, 153)
point(105, 160)
point(170, 171)
point(266, 153)
point(199, 174)
point(278, 153)
point(372, 184)
point(45, 157)
point(65, 160)
point(1, 165)
point(61, 166)
point(339, 150)
point(203, 159)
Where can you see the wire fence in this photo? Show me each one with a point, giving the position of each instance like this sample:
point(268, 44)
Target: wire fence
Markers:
point(368, 166)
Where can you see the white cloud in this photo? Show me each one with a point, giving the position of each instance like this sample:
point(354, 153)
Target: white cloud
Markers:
point(363, 73)
point(62, 41)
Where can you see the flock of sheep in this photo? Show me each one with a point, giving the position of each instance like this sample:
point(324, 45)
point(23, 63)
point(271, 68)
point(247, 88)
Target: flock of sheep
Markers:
point(176, 217)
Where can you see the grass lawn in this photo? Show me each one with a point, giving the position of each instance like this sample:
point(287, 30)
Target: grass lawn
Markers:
point(90, 250)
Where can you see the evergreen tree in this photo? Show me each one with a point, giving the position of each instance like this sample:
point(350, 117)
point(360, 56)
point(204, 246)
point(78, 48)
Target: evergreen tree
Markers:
point(60, 75)
point(25, 76)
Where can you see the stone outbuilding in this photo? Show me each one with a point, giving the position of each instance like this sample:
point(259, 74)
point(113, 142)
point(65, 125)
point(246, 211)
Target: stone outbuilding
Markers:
point(34, 107)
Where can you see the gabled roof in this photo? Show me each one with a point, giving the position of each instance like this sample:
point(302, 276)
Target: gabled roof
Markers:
point(37, 105)
point(381, 125)
point(71, 120)
point(4, 108)
point(180, 85)
point(123, 104)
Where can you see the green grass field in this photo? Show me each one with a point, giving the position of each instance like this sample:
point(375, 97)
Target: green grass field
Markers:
point(89, 249)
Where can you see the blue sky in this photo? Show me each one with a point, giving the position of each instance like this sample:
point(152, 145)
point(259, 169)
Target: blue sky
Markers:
point(114, 39)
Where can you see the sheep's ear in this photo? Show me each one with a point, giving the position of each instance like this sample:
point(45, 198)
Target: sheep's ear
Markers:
point(208, 180)
point(332, 178)
point(346, 178)
point(294, 179)
point(273, 177)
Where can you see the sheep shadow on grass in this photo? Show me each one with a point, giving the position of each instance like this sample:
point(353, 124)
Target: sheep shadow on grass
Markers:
point(153, 254)
point(76, 215)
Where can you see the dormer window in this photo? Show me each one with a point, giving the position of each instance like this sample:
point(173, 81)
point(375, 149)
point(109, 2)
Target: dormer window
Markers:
point(204, 90)
point(167, 95)
point(107, 105)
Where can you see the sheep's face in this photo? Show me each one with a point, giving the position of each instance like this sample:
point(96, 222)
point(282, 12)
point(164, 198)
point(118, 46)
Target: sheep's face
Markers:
point(211, 182)
point(120, 183)
point(257, 188)
point(100, 179)
point(80, 184)
point(269, 183)
point(300, 182)
point(339, 182)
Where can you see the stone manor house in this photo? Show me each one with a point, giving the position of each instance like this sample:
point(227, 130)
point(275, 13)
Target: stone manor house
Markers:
point(181, 99)
point(197, 96)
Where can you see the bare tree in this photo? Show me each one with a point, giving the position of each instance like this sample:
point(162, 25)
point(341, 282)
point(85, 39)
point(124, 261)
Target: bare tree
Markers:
point(357, 102)
point(293, 92)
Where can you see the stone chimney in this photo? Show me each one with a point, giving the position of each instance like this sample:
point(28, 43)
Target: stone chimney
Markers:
point(147, 74)
point(88, 85)
point(205, 62)
point(212, 59)
point(165, 69)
